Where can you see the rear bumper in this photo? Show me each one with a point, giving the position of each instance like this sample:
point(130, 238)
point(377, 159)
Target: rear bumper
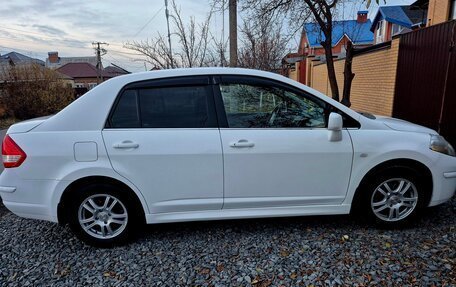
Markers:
point(28, 198)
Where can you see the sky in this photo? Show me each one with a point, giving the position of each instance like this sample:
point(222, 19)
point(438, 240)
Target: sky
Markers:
point(36, 27)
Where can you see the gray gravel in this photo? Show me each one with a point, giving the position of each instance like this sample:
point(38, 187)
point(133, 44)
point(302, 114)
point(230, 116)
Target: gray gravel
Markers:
point(268, 252)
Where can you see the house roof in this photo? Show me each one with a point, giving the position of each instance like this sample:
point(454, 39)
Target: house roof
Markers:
point(81, 70)
point(115, 70)
point(61, 61)
point(406, 16)
point(18, 58)
point(358, 33)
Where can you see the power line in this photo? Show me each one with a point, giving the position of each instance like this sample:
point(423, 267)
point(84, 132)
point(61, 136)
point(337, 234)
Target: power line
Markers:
point(148, 22)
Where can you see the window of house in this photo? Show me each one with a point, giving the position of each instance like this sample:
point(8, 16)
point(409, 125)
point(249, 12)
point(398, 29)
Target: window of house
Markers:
point(396, 29)
point(380, 31)
point(251, 106)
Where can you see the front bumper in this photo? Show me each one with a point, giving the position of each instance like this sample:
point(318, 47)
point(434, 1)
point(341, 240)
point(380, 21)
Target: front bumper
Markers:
point(444, 179)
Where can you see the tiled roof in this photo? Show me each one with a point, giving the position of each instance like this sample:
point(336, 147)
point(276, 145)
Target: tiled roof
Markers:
point(82, 70)
point(358, 33)
point(405, 16)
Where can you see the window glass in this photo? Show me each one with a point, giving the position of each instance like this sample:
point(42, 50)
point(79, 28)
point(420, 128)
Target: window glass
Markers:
point(174, 107)
point(396, 29)
point(249, 106)
point(126, 113)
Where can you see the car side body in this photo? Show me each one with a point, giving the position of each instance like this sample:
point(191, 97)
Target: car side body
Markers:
point(187, 174)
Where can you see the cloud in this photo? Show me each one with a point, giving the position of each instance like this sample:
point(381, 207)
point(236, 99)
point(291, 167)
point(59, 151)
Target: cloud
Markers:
point(50, 30)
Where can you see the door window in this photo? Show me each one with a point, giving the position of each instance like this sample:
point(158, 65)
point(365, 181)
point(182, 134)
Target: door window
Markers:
point(164, 107)
point(258, 106)
point(126, 114)
point(171, 107)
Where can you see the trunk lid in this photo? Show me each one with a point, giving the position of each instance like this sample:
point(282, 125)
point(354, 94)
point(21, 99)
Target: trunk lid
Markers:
point(26, 126)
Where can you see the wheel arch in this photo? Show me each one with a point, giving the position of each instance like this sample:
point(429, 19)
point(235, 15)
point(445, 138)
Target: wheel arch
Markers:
point(84, 181)
point(413, 164)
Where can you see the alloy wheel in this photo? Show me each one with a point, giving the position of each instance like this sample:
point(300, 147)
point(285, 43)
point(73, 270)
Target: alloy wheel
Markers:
point(103, 216)
point(394, 199)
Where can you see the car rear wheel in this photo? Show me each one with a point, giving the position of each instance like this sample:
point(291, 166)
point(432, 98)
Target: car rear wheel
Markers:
point(102, 215)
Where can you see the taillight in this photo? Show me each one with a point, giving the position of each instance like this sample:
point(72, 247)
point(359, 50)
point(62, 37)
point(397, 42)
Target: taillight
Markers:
point(12, 154)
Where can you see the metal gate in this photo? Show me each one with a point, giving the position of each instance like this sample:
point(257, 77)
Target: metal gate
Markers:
point(426, 79)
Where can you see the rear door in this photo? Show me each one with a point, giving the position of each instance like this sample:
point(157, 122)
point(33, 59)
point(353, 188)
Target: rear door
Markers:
point(276, 147)
point(162, 135)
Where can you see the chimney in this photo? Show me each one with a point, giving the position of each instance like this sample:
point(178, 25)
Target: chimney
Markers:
point(53, 57)
point(362, 16)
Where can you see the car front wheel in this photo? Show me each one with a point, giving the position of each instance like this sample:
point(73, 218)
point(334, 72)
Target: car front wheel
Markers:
point(392, 198)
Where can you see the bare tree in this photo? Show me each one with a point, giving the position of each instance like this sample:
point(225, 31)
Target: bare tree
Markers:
point(320, 11)
point(192, 51)
point(263, 45)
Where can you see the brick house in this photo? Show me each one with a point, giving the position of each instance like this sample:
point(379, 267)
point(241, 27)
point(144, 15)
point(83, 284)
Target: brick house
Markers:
point(394, 20)
point(357, 31)
point(439, 11)
point(85, 75)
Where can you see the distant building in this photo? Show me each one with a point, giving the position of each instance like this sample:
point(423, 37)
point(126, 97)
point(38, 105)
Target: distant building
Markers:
point(53, 60)
point(438, 11)
point(86, 76)
point(115, 70)
point(394, 20)
point(297, 65)
point(15, 58)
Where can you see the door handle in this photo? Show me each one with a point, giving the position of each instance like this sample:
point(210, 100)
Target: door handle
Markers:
point(126, 145)
point(242, 143)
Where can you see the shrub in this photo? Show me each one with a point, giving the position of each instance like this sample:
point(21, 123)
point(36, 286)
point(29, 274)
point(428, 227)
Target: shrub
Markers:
point(30, 91)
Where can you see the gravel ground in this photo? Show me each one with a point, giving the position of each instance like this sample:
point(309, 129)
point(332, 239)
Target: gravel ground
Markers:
point(306, 251)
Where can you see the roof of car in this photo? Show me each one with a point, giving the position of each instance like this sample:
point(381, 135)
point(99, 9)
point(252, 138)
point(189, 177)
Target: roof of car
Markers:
point(95, 113)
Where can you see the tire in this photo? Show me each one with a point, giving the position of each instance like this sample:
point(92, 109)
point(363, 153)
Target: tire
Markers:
point(103, 215)
point(392, 198)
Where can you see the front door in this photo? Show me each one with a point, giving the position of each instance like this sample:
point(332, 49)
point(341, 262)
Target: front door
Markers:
point(163, 136)
point(276, 147)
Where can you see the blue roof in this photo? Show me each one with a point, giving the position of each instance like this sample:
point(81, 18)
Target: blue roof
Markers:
point(401, 15)
point(359, 33)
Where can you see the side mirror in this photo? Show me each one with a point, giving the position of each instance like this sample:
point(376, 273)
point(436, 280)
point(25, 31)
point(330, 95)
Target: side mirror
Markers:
point(335, 125)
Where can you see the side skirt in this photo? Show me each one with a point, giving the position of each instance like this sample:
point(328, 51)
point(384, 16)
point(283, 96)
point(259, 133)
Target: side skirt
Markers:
point(247, 213)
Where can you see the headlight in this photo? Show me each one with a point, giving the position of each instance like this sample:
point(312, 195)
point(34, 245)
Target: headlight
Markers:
point(439, 144)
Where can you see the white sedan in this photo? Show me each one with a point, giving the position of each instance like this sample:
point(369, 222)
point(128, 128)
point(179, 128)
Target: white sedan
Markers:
point(217, 143)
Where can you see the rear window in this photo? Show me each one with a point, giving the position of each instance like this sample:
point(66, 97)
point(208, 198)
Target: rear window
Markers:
point(163, 107)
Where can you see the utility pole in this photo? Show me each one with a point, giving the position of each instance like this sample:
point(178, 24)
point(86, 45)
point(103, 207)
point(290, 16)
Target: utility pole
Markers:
point(169, 35)
point(233, 32)
point(100, 51)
